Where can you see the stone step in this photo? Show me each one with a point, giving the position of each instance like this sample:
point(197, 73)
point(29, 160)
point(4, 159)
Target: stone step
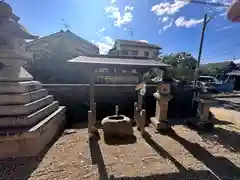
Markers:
point(27, 142)
point(19, 87)
point(25, 109)
point(30, 120)
point(24, 98)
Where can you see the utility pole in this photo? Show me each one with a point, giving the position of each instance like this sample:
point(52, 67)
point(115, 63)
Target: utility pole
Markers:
point(205, 22)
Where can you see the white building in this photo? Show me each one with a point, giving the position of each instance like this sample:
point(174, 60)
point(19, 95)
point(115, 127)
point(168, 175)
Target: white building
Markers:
point(134, 49)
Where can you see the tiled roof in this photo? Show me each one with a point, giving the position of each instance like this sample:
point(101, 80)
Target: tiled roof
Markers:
point(121, 61)
point(137, 43)
point(61, 33)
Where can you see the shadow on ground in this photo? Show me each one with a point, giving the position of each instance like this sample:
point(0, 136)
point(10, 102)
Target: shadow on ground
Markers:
point(193, 175)
point(227, 104)
point(183, 173)
point(220, 166)
point(97, 158)
point(114, 140)
point(22, 168)
point(229, 139)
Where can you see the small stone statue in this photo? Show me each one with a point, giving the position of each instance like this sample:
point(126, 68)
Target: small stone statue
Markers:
point(12, 34)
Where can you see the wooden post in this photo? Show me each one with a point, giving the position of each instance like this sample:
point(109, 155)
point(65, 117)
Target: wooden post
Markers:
point(140, 99)
point(143, 121)
point(92, 112)
point(91, 89)
point(136, 114)
point(90, 123)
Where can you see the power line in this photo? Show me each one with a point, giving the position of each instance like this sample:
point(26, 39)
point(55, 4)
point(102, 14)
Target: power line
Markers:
point(216, 4)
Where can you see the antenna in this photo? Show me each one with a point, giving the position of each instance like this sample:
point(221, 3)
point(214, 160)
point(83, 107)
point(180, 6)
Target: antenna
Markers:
point(216, 4)
point(130, 33)
point(65, 24)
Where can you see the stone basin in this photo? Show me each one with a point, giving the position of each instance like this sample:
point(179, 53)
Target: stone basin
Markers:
point(117, 125)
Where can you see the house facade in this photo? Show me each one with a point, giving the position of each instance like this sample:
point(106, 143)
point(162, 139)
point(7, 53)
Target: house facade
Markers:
point(134, 49)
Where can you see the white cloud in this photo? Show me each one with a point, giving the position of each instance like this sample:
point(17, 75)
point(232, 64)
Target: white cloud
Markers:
point(159, 31)
point(128, 8)
point(165, 19)
point(224, 28)
point(113, 1)
point(168, 26)
point(105, 43)
point(144, 41)
point(168, 8)
point(102, 29)
point(118, 18)
point(223, 14)
point(181, 22)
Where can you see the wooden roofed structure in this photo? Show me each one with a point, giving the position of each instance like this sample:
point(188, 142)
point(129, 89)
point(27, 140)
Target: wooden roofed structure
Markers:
point(117, 63)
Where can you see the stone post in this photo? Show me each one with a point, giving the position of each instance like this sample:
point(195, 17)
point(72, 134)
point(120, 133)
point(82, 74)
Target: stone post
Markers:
point(162, 99)
point(203, 112)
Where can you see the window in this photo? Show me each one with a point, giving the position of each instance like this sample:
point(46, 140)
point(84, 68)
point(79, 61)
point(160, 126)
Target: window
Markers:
point(125, 52)
point(155, 53)
point(134, 53)
point(146, 53)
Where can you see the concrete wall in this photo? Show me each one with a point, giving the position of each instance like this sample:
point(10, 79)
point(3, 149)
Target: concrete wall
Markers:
point(76, 98)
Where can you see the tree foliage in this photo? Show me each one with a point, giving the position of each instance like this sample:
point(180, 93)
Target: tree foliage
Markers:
point(217, 68)
point(183, 65)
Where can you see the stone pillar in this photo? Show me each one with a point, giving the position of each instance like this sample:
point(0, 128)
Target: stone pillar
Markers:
point(162, 99)
point(29, 117)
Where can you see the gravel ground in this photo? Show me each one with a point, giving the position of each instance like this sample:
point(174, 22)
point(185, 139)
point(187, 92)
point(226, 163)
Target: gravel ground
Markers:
point(182, 154)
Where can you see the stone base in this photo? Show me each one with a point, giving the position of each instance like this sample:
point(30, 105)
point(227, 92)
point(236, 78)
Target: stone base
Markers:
point(200, 124)
point(24, 98)
point(19, 87)
point(25, 109)
point(27, 142)
point(160, 126)
point(29, 120)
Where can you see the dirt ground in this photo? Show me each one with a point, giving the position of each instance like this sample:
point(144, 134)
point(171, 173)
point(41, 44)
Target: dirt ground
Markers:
point(182, 154)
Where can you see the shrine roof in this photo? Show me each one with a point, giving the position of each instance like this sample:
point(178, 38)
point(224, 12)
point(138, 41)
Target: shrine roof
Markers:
point(100, 60)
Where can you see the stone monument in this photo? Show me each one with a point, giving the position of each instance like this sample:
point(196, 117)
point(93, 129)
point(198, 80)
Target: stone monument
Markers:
point(29, 117)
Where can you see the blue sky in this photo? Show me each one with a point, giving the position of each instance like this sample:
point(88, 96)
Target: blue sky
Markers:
point(174, 25)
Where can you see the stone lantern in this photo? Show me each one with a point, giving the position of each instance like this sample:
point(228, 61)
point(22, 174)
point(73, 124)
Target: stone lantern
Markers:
point(29, 117)
point(163, 96)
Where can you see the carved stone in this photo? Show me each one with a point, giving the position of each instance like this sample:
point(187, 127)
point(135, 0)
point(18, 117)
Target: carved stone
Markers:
point(29, 118)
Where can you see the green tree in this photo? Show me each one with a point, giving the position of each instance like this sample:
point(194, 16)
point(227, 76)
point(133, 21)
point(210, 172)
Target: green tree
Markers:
point(183, 65)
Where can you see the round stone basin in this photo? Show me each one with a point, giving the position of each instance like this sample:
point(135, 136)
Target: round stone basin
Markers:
point(116, 117)
point(118, 125)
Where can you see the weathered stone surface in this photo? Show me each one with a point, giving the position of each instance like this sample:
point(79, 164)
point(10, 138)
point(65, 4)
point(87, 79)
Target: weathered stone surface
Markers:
point(19, 87)
point(29, 120)
point(25, 109)
point(30, 142)
point(14, 73)
point(117, 127)
point(24, 98)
